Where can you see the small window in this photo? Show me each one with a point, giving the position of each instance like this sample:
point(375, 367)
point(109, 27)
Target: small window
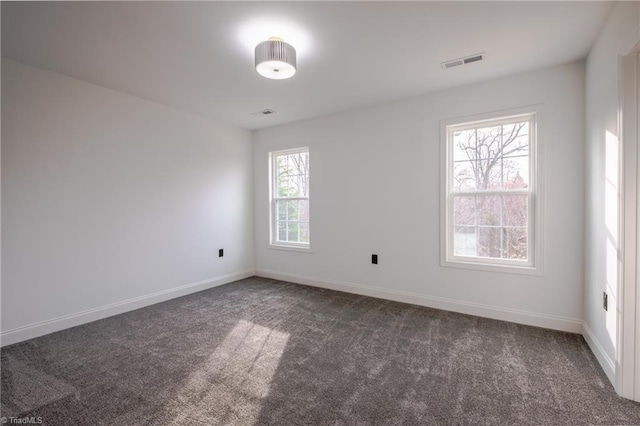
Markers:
point(490, 200)
point(290, 198)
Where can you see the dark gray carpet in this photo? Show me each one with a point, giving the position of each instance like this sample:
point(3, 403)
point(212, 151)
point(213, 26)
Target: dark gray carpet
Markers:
point(260, 351)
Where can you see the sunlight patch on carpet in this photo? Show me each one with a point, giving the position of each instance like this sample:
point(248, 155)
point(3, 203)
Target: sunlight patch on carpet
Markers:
point(230, 386)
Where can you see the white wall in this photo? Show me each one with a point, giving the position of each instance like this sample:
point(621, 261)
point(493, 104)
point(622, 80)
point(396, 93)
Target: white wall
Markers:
point(108, 198)
point(602, 166)
point(375, 188)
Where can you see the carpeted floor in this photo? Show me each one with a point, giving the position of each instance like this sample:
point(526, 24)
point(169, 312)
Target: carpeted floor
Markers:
point(259, 351)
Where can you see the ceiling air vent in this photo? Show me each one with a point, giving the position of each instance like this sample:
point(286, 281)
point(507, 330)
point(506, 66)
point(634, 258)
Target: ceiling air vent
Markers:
point(463, 61)
point(452, 64)
point(263, 112)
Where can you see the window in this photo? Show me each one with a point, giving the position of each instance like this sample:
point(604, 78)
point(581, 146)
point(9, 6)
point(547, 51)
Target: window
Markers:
point(490, 194)
point(290, 198)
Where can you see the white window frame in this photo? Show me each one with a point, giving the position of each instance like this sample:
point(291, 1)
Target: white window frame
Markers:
point(273, 199)
point(533, 265)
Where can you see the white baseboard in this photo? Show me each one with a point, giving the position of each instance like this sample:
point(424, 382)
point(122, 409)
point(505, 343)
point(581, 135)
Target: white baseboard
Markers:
point(487, 311)
point(470, 308)
point(607, 364)
point(30, 331)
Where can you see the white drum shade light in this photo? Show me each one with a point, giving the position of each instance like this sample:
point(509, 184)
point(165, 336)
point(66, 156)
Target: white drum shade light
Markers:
point(275, 59)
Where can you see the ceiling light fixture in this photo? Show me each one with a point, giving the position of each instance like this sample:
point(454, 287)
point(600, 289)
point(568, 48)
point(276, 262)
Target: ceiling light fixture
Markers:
point(275, 59)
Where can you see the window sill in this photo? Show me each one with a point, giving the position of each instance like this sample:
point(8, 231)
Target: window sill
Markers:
point(290, 248)
point(489, 267)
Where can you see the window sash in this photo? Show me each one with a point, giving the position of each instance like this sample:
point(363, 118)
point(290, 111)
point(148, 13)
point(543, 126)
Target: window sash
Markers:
point(299, 226)
point(530, 227)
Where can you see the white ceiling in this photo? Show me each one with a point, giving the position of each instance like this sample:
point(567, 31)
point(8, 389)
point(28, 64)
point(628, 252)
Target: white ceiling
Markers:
point(198, 56)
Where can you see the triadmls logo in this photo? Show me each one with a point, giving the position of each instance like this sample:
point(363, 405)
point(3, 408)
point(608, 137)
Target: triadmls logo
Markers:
point(28, 420)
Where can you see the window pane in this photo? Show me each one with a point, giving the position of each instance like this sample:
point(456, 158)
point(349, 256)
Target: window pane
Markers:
point(299, 173)
point(292, 232)
point(281, 207)
point(489, 174)
point(282, 175)
point(300, 186)
point(292, 175)
point(464, 145)
point(515, 243)
point(464, 176)
point(490, 242)
point(303, 210)
point(488, 143)
point(287, 210)
point(292, 210)
point(488, 210)
point(304, 232)
point(293, 221)
point(464, 241)
point(464, 210)
point(293, 187)
point(281, 165)
point(515, 139)
point(516, 172)
point(515, 210)
point(283, 186)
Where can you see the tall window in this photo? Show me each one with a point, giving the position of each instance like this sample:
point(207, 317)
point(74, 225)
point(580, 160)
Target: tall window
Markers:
point(490, 192)
point(290, 198)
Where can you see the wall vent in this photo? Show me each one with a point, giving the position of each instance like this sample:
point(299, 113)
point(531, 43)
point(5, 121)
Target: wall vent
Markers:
point(463, 61)
point(263, 112)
